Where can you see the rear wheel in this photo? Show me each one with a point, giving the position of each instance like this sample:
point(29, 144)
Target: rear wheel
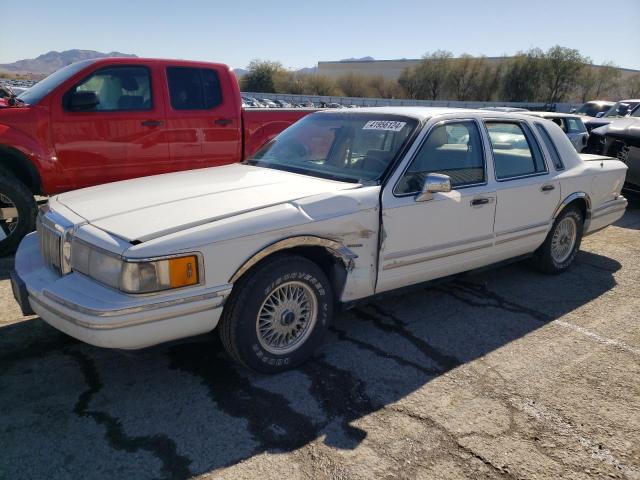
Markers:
point(18, 211)
point(278, 314)
point(561, 246)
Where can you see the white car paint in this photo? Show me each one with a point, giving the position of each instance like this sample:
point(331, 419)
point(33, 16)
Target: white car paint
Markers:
point(230, 214)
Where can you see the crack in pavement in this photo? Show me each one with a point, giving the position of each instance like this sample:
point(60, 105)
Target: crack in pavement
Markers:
point(429, 421)
point(343, 335)
point(399, 327)
point(162, 447)
point(490, 300)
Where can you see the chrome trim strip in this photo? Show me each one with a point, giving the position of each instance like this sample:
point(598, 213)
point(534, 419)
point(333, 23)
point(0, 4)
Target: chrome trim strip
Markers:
point(619, 200)
point(111, 326)
point(521, 229)
point(435, 257)
point(519, 237)
point(442, 246)
point(609, 212)
point(222, 291)
point(335, 248)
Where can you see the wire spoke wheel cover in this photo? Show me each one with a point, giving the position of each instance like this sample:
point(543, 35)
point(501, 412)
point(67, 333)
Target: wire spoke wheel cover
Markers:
point(287, 317)
point(564, 239)
point(8, 216)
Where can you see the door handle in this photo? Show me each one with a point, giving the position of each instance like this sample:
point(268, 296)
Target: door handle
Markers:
point(222, 121)
point(152, 123)
point(547, 188)
point(481, 201)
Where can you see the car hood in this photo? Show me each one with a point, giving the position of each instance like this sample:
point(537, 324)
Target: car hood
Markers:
point(627, 129)
point(145, 208)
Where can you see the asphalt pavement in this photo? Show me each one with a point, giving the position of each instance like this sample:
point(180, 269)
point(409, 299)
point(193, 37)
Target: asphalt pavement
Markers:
point(504, 373)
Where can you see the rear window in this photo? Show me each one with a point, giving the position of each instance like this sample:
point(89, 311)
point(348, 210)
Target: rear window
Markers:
point(551, 147)
point(574, 125)
point(193, 88)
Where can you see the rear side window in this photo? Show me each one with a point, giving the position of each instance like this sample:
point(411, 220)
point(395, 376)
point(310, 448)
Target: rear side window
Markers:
point(119, 88)
point(515, 151)
point(193, 88)
point(575, 125)
point(551, 147)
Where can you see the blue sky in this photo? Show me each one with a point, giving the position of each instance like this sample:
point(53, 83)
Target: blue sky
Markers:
point(299, 33)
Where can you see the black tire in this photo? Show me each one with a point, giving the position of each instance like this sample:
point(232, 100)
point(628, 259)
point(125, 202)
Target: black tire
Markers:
point(238, 330)
point(22, 198)
point(543, 258)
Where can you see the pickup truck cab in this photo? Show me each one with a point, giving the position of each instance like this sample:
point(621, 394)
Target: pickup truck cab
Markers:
point(103, 120)
point(342, 205)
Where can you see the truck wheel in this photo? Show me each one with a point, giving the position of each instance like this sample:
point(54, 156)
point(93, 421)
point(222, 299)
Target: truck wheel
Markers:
point(278, 314)
point(561, 246)
point(18, 211)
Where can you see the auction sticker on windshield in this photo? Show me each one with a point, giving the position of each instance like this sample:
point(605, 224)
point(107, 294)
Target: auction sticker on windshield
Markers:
point(391, 125)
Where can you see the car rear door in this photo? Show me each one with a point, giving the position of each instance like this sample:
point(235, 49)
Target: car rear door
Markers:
point(123, 136)
point(451, 232)
point(527, 191)
point(203, 117)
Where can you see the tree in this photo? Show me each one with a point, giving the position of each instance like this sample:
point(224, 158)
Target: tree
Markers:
point(381, 87)
point(261, 76)
point(407, 82)
point(561, 68)
point(464, 76)
point(354, 85)
point(522, 75)
point(586, 82)
point(633, 86)
point(317, 84)
point(431, 74)
point(606, 80)
point(488, 84)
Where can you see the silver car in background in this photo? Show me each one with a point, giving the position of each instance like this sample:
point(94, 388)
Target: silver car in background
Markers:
point(570, 124)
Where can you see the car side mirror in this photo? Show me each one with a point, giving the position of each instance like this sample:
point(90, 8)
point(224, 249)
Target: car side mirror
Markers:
point(599, 114)
point(434, 182)
point(80, 101)
point(573, 110)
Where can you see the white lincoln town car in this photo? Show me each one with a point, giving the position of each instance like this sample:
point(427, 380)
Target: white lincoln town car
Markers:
point(340, 206)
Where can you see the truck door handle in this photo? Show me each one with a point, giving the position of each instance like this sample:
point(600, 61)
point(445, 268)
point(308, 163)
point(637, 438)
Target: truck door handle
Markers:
point(152, 123)
point(547, 188)
point(480, 201)
point(222, 121)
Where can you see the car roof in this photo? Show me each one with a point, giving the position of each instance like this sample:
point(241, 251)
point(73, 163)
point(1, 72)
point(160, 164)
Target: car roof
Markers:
point(553, 115)
point(424, 113)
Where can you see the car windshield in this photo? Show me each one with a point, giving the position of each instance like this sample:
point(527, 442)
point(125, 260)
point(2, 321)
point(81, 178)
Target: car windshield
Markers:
point(592, 109)
point(636, 112)
point(41, 89)
point(620, 109)
point(356, 148)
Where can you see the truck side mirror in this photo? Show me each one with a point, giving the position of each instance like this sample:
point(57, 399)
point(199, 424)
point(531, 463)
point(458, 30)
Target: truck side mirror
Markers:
point(434, 182)
point(80, 101)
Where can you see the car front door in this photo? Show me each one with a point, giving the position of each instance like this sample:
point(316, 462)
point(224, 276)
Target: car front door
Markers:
point(122, 136)
point(452, 231)
point(203, 125)
point(528, 193)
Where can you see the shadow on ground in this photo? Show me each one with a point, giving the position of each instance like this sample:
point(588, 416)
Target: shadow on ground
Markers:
point(69, 410)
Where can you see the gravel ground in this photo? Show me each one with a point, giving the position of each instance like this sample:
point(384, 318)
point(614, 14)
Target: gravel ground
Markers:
point(505, 373)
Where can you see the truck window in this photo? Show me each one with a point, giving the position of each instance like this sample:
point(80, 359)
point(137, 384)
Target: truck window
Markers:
point(125, 88)
point(193, 88)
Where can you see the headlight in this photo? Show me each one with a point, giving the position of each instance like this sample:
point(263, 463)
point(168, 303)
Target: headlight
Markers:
point(133, 276)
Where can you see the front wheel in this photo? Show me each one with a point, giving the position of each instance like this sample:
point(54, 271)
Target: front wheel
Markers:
point(561, 246)
point(278, 314)
point(18, 211)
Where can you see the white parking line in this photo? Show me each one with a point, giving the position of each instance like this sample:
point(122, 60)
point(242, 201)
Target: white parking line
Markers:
point(598, 338)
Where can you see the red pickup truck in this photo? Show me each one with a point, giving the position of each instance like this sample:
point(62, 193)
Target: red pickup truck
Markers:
point(100, 121)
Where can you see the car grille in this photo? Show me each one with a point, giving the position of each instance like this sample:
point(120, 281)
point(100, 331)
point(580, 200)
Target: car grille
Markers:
point(50, 245)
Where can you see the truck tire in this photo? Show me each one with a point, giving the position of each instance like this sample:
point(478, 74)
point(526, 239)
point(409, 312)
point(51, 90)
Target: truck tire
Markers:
point(18, 212)
point(561, 246)
point(277, 315)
